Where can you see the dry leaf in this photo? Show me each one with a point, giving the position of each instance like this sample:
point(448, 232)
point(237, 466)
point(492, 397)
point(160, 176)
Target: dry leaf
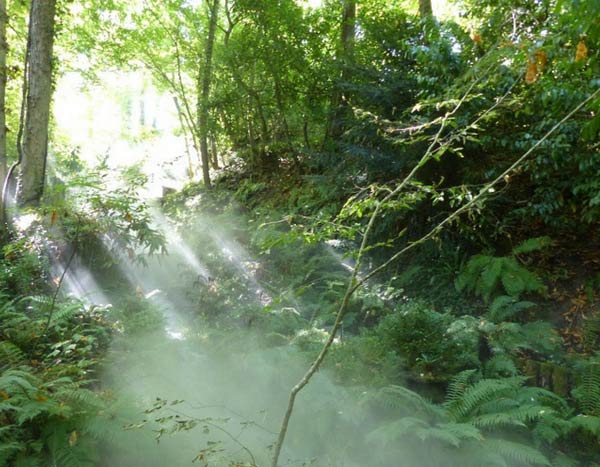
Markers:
point(532, 73)
point(582, 52)
point(541, 58)
point(73, 437)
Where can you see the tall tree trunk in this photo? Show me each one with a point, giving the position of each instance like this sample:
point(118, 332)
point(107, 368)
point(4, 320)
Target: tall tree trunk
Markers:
point(348, 30)
point(185, 131)
point(214, 151)
point(37, 113)
point(3, 49)
point(425, 8)
point(345, 56)
point(205, 93)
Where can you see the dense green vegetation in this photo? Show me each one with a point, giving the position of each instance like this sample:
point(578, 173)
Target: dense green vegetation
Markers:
point(399, 204)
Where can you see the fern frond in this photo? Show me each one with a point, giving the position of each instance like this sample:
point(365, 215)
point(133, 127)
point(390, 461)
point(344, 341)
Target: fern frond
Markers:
point(399, 397)
point(541, 396)
point(20, 379)
point(504, 307)
point(519, 416)
point(390, 433)
point(587, 393)
point(591, 330)
point(532, 244)
point(65, 312)
point(82, 397)
point(10, 355)
point(458, 431)
point(517, 452)
point(587, 423)
point(481, 392)
point(564, 461)
point(490, 275)
point(517, 280)
point(501, 365)
point(550, 427)
point(458, 384)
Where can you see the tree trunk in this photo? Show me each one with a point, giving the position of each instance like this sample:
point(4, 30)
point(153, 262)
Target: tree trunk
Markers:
point(214, 151)
point(3, 49)
point(348, 30)
point(345, 57)
point(185, 130)
point(205, 93)
point(425, 9)
point(37, 113)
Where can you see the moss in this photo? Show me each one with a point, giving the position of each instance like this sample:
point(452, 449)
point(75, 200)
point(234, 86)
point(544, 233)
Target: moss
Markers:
point(560, 381)
point(531, 368)
point(546, 370)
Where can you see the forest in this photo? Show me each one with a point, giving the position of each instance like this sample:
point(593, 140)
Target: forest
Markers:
point(271, 233)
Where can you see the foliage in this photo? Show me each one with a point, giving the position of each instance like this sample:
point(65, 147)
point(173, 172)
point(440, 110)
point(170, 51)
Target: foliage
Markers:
point(24, 268)
point(47, 368)
point(318, 132)
point(484, 274)
point(433, 348)
point(103, 214)
point(486, 418)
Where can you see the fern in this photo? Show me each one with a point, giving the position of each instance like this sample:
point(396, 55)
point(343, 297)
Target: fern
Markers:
point(458, 384)
point(517, 452)
point(484, 274)
point(500, 365)
point(18, 380)
point(591, 331)
point(10, 355)
point(455, 433)
point(588, 392)
point(588, 423)
point(519, 416)
point(65, 312)
point(390, 433)
point(532, 244)
point(541, 396)
point(484, 390)
point(504, 307)
point(564, 461)
point(452, 434)
point(399, 397)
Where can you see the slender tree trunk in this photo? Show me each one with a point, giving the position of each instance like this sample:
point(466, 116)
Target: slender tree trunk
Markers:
point(185, 131)
point(252, 137)
point(345, 56)
point(425, 8)
point(3, 49)
point(37, 114)
point(348, 30)
point(205, 92)
point(214, 151)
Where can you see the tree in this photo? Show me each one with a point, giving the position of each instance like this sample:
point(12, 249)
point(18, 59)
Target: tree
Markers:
point(425, 8)
point(3, 69)
point(204, 92)
point(37, 113)
point(346, 56)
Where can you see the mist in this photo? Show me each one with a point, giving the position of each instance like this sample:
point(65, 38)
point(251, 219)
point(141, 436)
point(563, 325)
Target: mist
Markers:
point(230, 385)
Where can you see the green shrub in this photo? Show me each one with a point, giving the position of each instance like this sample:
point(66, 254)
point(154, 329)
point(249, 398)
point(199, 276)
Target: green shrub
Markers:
point(434, 345)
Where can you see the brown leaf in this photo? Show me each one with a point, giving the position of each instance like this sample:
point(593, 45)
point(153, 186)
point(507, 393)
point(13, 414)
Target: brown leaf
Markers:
point(532, 73)
point(53, 217)
point(541, 58)
point(582, 52)
point(73, 437)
